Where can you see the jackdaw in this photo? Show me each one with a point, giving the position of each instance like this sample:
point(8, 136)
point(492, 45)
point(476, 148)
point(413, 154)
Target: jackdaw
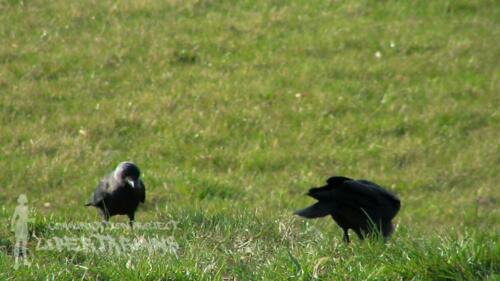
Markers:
point(360, 205)
point(119, 193)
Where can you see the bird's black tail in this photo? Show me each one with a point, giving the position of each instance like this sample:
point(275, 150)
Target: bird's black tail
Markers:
point(88, 204)
point(315, 211)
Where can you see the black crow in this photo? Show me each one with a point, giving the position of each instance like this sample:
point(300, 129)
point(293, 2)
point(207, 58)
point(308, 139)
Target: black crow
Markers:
point(119, 193)
point(360, 205)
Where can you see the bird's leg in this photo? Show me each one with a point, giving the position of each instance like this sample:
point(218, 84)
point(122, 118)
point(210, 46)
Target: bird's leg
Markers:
point(131, 221)
point(346, 235)
point(387, 229)
point(105, 222)
point(105, 218)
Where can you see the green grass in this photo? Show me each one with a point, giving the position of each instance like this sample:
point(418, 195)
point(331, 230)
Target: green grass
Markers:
point(233, 109)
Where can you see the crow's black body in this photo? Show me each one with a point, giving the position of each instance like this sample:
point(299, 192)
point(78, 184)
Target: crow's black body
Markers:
point(360, 205)
point(119, 193)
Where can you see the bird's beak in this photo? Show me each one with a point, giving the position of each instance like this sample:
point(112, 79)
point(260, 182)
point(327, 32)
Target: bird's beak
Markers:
point(132, 183)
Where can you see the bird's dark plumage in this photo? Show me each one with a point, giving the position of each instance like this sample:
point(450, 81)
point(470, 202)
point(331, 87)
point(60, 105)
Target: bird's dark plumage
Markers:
point(120, 192)
point(360, 205)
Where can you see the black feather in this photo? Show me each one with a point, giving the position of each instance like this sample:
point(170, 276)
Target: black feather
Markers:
point(360, 205)
point(115, 196)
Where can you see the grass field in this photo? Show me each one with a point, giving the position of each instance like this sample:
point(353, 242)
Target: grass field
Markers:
point(233, 109)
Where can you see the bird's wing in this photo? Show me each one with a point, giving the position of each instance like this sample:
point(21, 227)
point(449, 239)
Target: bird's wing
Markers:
point(320, 209)
point(100, 192)
point(380, 189)
point(356, 194)
point(392, 199)
point(141, 191)
point(373, 199)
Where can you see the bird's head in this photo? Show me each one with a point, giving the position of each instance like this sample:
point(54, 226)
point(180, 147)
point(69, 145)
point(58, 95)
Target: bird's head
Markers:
point(128, 172)
point(337, 180)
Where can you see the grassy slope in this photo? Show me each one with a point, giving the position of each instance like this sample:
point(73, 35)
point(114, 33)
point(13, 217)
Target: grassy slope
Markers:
point(234, 110)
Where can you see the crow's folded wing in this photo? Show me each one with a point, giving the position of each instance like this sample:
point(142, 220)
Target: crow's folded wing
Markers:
point(100, 192)
point(141, 191)
point(373, 199)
